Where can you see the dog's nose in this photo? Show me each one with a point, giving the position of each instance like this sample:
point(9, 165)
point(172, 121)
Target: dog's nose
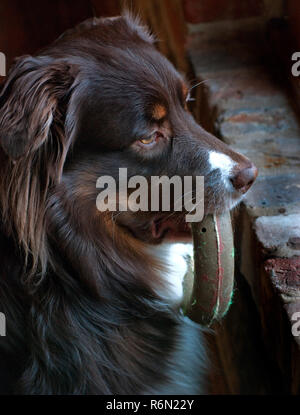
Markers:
point(244, 178)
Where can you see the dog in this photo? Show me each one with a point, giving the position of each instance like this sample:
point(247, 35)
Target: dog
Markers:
point(91, 303)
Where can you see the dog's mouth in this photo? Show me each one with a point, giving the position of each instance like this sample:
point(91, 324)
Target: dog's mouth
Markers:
point(172, 228)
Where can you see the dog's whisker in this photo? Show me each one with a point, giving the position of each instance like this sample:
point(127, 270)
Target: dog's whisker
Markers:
point(198, 83)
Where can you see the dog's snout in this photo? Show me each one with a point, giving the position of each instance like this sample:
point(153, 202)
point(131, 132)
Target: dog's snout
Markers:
point(244, 178)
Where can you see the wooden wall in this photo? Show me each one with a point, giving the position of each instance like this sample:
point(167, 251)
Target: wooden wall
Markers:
point(27, 26)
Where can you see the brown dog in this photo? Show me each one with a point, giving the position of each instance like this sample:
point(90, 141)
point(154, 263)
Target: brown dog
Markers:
point(86, 299)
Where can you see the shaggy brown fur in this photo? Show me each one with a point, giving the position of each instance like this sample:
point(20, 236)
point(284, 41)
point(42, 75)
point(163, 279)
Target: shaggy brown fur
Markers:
point(79, 288)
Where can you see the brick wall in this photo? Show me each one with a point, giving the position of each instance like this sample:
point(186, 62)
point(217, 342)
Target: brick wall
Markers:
point(215, 10)
point(245, 101)
point(203, 11)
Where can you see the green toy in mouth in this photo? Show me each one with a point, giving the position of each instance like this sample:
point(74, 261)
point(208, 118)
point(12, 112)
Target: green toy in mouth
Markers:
point(208, 290)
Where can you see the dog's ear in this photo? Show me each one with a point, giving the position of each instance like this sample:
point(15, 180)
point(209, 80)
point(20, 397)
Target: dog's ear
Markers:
point(29, 101)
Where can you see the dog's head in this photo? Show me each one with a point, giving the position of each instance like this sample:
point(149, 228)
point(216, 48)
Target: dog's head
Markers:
point(99, 99)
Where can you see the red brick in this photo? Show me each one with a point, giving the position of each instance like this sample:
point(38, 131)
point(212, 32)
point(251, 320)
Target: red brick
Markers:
point(197, 11)
point(285, 277)
point(285, 273)
point(238, 83)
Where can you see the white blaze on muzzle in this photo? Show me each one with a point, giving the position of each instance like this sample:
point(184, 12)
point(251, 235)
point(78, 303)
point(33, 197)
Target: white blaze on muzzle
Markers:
point(224, 164)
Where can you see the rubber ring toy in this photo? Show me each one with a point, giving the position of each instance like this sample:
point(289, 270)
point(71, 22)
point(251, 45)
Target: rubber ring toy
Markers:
point(208, 290)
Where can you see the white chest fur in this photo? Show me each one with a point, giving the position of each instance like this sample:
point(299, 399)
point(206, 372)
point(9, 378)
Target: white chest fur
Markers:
point(175, 257)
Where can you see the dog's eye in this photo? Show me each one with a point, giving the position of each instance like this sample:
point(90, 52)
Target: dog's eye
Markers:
point(149, 141)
